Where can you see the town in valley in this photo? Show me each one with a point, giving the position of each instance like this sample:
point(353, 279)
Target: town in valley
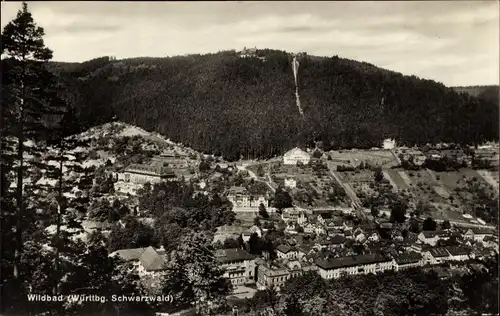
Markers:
point(249, 181)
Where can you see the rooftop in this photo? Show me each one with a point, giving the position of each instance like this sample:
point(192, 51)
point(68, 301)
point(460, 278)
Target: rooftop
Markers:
point(150, 169)
point(410, 257)
point(350, 261)
point(439, 252)
point(231, 255)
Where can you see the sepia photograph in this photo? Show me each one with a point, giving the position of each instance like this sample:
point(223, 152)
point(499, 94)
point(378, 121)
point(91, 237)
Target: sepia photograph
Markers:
point(249, 158)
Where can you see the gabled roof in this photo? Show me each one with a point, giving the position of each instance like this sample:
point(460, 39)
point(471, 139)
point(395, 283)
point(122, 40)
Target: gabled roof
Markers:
point(151, 260)
point(296, 151)
point(457, 251)
point(284, 248)
point(231, 255)
point(350, 261)
point(406, 258)
point(439, 252)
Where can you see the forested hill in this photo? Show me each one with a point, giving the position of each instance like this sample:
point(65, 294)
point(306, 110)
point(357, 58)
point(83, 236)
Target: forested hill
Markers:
point(224, 104)
point(490, 93)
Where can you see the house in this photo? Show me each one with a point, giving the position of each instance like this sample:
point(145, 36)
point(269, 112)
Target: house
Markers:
point(374, 237)
point(296, 155)
point(148, 261)
point(481, 254)
point(436, 255)
point(240, 198)
point(140, 174)
point(277, 274)
point(309, 228)
point(302, 219)
point(331, 231)
point(290, 183)
point(290, 215)
point(458, 253)
point(359, 236)
point(239, 266)
point(284, 251)
point(353, 265)
point(431, 237)
point(477, 234)
point(490, 242)
point(389, 143)
point(324, 216)
point(255, 229)
point(304, 251)
point(408, 260)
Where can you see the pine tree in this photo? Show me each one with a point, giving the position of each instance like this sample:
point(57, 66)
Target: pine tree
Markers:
point(30, 94)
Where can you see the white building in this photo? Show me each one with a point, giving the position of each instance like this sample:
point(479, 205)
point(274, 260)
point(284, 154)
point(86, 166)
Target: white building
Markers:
point(286, 252)
point(240, 198)
point(296, 155)
point(431, 237)
point(478, 234)
point(354, 265)
point(239, 266)
point(389, 143)
point(436, 256)
point(290, 183)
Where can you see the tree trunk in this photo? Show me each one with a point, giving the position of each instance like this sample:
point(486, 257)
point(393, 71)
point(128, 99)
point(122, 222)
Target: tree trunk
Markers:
point(58, 223)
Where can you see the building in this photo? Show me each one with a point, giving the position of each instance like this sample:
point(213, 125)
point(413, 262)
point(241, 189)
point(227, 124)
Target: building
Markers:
point(458, 253)
point(240, 197)
point(290, 183)
point(436, 256)
point(174, 162)
point(238, 264)
point(431, 237)
point(296, 155)
point(408, 260)
point(478, 234)
point(389, 144)
point(277, 274)
point(286, 252)
point(353, 265)
point(148, 261)
point(140, 174)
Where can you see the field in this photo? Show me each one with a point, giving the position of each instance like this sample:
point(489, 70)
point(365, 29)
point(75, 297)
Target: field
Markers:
point(354, 158)
point(397, 179)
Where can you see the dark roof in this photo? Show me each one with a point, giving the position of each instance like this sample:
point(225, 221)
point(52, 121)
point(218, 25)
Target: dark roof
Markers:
point(457, 251)
point(231, 255)
point(325, 214)
point(350, 261)
point(410, 257)
point(337, 240)
point(284, 248)
point(482, 231)
point(439, 252)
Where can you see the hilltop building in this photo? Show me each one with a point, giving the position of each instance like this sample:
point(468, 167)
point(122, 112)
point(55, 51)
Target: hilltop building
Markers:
point(389, 143)
point(140, 174)
point(296, 155)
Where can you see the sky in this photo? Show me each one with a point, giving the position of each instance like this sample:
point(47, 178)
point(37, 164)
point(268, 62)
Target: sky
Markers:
point(453, 42)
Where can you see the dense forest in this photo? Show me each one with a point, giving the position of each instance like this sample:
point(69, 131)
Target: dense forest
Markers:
point(231, 106)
